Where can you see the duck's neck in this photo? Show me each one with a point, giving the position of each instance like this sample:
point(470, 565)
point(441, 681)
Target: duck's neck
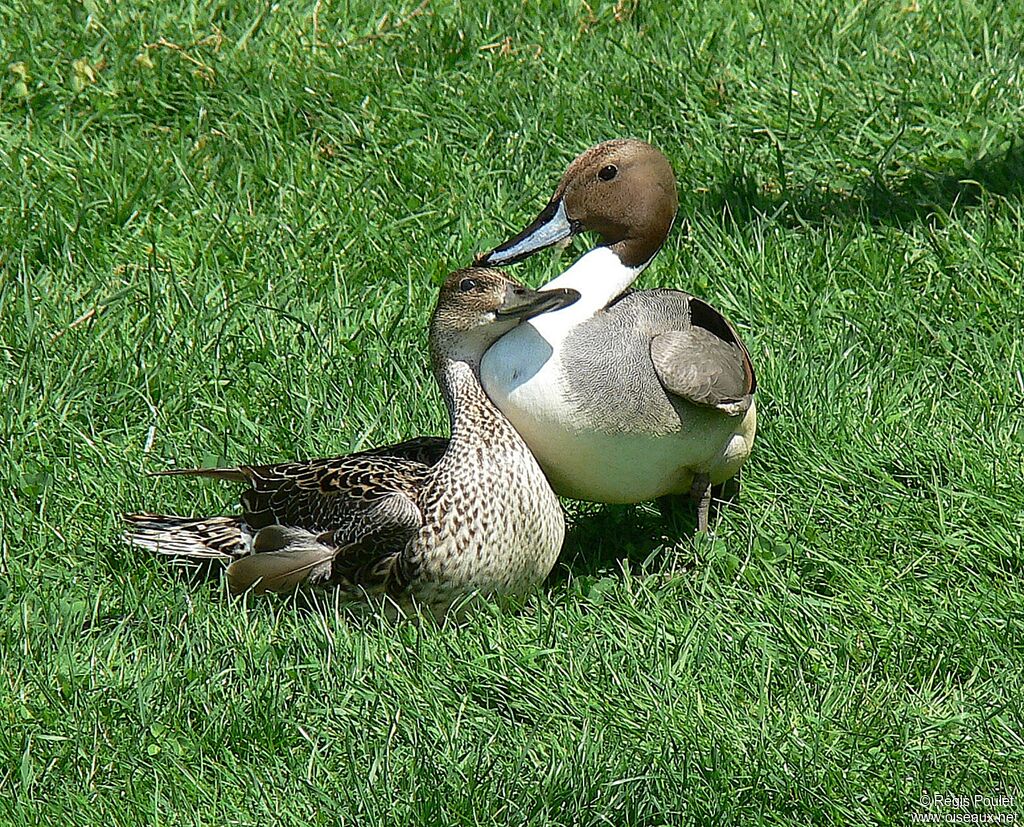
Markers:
point(473, 416)
point(600, 277)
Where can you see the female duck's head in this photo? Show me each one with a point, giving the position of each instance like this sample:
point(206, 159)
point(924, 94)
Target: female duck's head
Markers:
point(477, 306)
point(623, 190)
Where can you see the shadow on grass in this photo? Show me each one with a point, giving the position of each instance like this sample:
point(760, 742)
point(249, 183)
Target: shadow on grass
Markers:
point(600, 537)
point(891, 197)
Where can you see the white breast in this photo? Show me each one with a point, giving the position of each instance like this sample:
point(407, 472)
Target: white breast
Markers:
point(522, 371)
point(523, 374)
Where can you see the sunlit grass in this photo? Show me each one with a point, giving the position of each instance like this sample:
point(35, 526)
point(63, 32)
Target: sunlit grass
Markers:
point(221, 230)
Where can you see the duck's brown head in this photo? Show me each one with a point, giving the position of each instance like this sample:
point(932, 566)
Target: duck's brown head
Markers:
point(623, 190)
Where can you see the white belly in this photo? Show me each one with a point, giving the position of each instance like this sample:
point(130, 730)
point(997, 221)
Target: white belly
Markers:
point(522, 375)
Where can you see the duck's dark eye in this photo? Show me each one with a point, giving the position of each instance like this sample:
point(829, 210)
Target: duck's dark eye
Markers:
point(608, 172)
point(468, 284)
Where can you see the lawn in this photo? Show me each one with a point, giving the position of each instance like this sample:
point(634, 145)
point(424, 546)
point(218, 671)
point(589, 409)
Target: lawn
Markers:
point(222, 225)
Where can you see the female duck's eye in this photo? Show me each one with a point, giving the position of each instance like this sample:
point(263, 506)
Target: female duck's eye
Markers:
point(608, 172)
point(468, 284)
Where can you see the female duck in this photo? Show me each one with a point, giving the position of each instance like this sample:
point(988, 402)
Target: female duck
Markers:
point(625, 396)
point(481, 520)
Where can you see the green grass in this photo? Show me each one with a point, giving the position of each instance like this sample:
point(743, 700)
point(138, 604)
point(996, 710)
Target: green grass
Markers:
point(223, 246)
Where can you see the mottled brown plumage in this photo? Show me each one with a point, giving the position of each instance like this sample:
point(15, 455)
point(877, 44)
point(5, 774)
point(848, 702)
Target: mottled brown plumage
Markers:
point(428, 522)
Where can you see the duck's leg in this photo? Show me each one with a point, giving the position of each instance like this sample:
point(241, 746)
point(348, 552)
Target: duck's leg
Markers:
point(700, 493)
point(703, 496)
point(672, 506)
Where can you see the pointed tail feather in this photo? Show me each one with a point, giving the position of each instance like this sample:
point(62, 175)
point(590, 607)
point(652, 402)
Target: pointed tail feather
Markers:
point(213, 538)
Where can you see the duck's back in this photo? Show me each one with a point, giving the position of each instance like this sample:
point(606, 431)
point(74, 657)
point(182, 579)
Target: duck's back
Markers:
point(644, 363)
point(342, 521)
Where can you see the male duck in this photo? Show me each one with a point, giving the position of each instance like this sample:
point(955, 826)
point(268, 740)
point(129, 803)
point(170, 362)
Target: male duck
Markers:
point(625, 396)
point(398, 522)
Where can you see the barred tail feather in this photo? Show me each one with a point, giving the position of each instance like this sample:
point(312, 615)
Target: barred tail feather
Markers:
point(213, 538)
point(275, 559)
